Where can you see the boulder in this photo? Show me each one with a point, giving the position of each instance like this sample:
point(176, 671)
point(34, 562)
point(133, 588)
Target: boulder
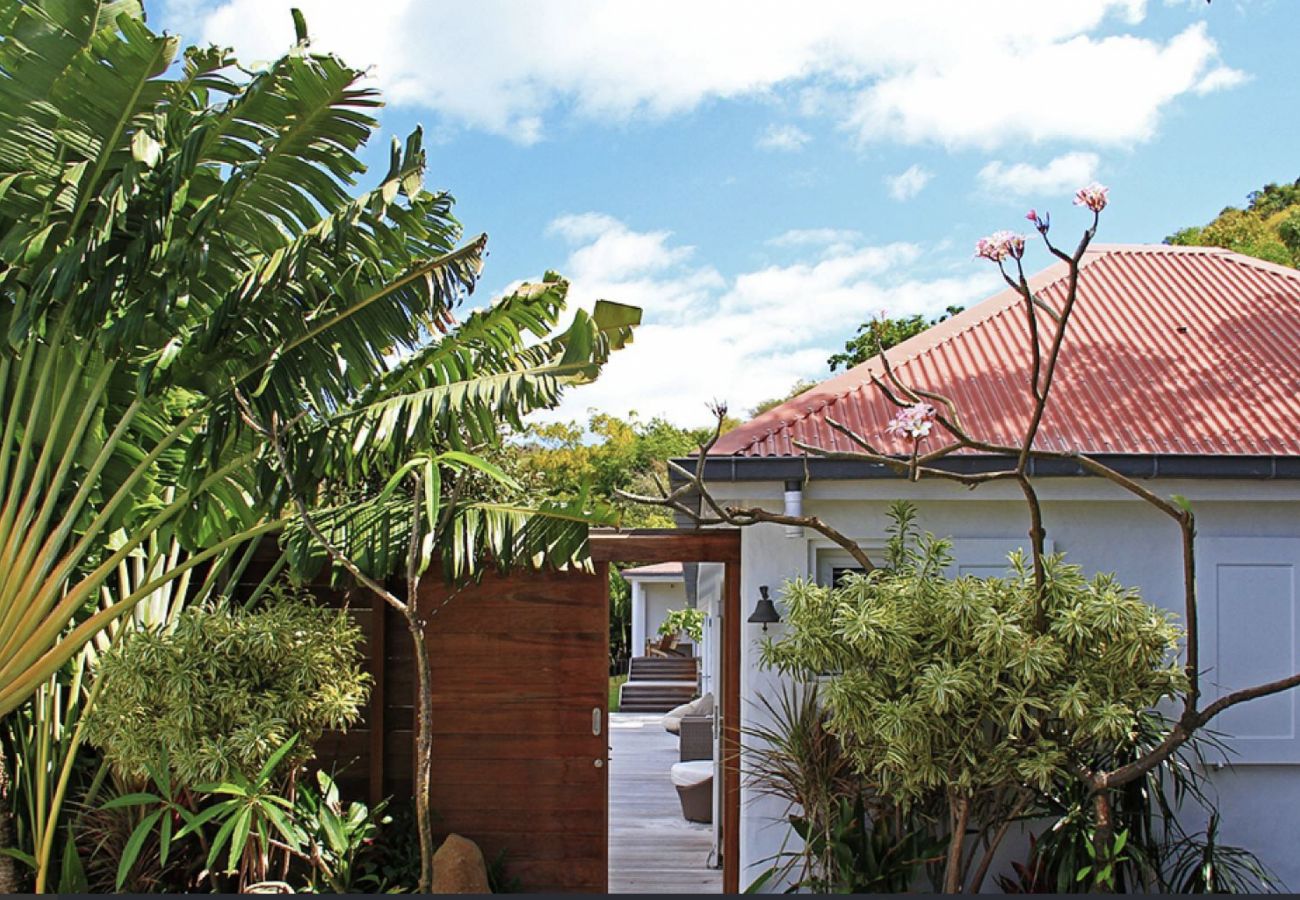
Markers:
point(458, 868)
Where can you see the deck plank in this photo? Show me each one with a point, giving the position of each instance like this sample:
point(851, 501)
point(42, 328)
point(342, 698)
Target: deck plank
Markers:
point(652, 849)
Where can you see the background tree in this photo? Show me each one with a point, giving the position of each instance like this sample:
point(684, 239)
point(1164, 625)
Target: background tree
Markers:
point(881, 334)
point(1268, 228)
point(609, 454)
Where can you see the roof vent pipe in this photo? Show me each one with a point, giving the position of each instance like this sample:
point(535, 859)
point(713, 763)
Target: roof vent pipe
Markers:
point(793, 506)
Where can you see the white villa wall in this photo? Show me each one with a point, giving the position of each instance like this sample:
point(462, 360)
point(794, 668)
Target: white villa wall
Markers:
point(1098, 527)
point(652, 600)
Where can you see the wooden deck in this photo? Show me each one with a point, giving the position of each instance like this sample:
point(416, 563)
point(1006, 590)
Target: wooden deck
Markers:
point(652, 849)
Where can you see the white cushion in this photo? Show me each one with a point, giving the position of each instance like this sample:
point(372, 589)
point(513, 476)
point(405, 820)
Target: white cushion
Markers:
point(689, 774)
point(700, 706)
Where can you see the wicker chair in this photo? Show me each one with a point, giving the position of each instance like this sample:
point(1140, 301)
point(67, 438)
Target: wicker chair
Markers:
point(694, 783)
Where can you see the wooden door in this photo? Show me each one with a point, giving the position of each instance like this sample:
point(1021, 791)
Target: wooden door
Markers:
point(521, 690)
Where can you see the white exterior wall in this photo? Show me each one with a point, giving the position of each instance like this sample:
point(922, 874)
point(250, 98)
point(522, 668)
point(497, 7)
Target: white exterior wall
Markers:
point(652, 599)
point(1101, 528)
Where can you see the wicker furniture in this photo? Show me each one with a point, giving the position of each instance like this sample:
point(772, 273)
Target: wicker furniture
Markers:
point(694, 783)
point(696, 734)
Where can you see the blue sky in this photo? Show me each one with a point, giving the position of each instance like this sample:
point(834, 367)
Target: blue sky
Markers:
point(763, 176)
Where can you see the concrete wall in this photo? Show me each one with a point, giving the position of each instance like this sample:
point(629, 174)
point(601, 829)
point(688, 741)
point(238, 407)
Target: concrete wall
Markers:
point(1099, 527)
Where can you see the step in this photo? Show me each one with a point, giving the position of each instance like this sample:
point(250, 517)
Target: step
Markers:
point(654, 697)
point(656, 667)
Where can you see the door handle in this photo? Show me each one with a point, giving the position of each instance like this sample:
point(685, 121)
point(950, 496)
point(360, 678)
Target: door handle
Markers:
point(595, 720)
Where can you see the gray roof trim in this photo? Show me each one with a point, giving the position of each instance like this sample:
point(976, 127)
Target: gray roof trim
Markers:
point(780, 468)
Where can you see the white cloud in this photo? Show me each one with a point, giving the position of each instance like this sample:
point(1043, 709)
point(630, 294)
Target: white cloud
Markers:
point(740, 339)
point(908, 183)
point(1220, 78)
point(786, 138)
point(945, 71)
point(1067, 172)
point(814, 237)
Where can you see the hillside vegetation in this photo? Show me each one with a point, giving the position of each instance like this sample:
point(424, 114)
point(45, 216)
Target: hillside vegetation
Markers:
point(1268, 228)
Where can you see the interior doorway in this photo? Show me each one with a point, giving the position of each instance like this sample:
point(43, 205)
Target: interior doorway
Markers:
point(642, 811)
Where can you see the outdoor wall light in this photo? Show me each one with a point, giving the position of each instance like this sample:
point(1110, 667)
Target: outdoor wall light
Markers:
point(793, 506)
point(765, 612)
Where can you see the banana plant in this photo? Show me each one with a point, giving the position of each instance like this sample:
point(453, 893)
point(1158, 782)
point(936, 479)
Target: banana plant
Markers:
point(184, 251)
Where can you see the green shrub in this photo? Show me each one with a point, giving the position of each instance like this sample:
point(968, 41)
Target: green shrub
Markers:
point(225, 688)
point(689, 620)
point(943, 683)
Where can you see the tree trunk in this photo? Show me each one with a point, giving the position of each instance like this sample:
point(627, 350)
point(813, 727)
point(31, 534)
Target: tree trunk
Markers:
point(8, 869)
point(1103, 840)
point(959, 816)
point(423, 748)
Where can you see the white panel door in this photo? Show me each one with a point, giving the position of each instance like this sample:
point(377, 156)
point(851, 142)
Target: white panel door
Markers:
point(1248, 602)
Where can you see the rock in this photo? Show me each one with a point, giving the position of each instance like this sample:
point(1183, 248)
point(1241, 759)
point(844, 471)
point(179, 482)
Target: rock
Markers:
point(458, 868)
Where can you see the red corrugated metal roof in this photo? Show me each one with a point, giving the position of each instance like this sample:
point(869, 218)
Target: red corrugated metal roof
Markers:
point(1171, 350)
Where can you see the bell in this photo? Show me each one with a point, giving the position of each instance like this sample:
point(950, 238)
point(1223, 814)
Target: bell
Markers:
point(764, 611)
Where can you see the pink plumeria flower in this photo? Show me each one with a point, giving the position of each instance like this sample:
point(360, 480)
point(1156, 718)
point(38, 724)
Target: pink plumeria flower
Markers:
point(1000, 245)
point(1042, 223)
point(912, 422)
point(1092, 196)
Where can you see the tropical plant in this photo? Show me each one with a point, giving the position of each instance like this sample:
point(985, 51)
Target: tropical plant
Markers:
point(943, 685)
point(1202, 864)
point(182, 256)
point(850, 840)
point(226, 688)
point(1149, 811)
point(251, 816)
point(48, 732)
point(688, 621)
point(162, 810)
point(335, 838)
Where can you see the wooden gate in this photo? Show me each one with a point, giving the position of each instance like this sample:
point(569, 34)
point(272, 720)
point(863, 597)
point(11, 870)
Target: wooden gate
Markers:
point(521, 675)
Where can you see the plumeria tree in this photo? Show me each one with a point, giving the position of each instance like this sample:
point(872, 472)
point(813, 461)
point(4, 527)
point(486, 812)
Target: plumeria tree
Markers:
point(932, 429)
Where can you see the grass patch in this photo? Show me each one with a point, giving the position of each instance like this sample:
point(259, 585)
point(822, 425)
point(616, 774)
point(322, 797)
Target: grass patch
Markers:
point(614, 682)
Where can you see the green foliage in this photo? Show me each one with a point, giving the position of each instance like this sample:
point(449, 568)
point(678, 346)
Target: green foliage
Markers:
point(868, 857)
point(184, 253)
point(251, 814)
point(689, 620)
point(796, 389)
point(1157, 849)
point(161, 810)
point(608, 454)
point(951, 684)
point(1268, 228)
point(226, 688)
point(1100, 873)
point(850, 841)
point(883, 332)
point(336, 839)
point(1202, 864)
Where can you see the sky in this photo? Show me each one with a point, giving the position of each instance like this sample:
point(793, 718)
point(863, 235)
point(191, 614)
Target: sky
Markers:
point(761, 177)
